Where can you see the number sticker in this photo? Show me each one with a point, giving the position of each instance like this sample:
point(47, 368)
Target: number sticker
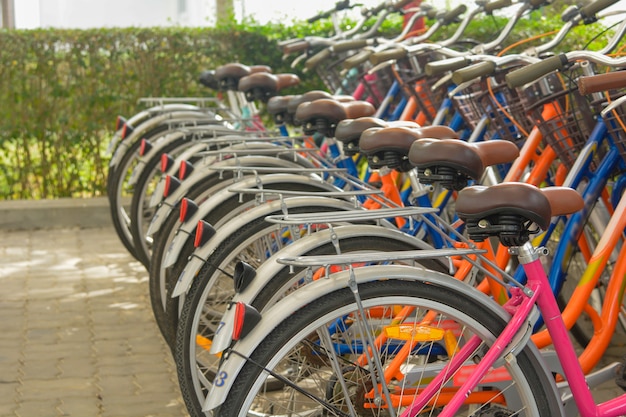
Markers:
point(220, 379)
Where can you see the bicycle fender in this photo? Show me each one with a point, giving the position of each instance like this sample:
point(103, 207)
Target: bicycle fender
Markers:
point(232, 364)
point(201, 254)
point(216, 199)
point(269, 268)
point(159, 144)
point(188, 227)
point(151, 123)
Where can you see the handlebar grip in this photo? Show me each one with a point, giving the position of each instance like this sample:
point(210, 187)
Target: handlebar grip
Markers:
point(349, 45)
point(315, 60)
point(601, 82)
point(453, 14)
point(496, 5)
point(589, 11)
point(538, 3)
point(357, 59)
point(342, 5)
point(375, 10)
point(339, 6)
point(317, 17)
point(400, 4)
point(439, 67)
point(432, 14)
point(387, 55)
point(298, 46)
point(535, 71)
point(473, 71)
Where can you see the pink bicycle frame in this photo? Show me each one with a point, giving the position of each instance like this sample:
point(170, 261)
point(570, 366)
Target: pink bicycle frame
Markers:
point(537, 291)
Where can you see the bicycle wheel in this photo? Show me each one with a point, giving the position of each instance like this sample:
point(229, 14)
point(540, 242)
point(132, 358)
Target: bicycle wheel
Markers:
point(212, 289)
point(312, 363)
point(200, 315)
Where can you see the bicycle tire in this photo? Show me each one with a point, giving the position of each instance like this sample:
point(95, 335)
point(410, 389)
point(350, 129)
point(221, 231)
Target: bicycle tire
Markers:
point(211, 280)
point(289, 347)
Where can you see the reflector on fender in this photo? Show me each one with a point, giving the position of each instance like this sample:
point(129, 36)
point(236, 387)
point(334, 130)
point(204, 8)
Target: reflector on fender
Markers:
point(119, 122)
point(145, 147)
point(171, 184)
point(187, 209)
point(246, 317)
point(204, 232)
point(126, 131)
point(166, 162)
point(185, 169)
point(243, 276)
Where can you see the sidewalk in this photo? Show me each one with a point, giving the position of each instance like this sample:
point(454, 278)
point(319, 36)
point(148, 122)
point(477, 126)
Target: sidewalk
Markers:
point(77, 333)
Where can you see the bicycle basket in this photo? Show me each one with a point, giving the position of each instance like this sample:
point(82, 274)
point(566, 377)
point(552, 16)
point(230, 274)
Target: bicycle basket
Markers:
point(490, 97)
point(615, 121)
point(563, 116)
point(415, 83)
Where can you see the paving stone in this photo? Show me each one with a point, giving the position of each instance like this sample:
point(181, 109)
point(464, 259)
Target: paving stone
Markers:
point(39, 408)
point(80, 406)
point(55, 388)
point(72, 299)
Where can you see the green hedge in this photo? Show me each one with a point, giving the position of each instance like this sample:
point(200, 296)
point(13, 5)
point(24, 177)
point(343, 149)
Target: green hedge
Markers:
point(60, 91)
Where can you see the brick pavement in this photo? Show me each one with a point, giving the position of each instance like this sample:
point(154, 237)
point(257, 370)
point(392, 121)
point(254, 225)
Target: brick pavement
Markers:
point(77, 336)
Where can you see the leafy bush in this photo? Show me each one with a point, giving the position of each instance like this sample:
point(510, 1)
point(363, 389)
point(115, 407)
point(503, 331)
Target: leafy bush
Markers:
point(60, 90)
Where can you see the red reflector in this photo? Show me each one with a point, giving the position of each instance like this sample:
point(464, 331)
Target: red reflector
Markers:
point(240, 315)
point(119, 122)
point(246, 317)
point(145, 147)
point(187, 209)
point(126, 131)
point(185, 169)
point(166, 162)
point(204, 232)
point(171, 184)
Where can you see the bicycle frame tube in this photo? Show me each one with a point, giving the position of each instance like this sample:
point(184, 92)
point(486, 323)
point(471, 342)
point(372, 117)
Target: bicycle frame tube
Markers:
point(588, 282)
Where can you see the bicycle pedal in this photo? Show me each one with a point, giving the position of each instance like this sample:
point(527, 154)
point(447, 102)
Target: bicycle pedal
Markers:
point(620, 374)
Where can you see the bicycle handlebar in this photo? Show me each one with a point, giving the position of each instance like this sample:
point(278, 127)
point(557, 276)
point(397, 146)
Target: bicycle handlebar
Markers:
point(453, 14)
point(339, 6)
point(533, 72)
point(452, 64)
point(344, 46)
point(589, 11)
point(473, 71)
point(297, 46)
point(496, 5)
point(388, 55)
point(389, 5)
point(601, 82)
point(315, 60)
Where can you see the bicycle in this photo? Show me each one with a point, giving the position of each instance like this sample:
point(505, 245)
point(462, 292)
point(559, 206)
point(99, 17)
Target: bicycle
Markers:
point(244, 366)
